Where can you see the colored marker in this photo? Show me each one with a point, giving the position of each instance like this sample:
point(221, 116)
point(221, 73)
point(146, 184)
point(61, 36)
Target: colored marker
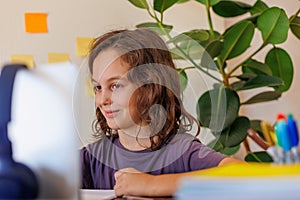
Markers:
point(294, 137)
point(283, 138)
point(274, 150)
point(266, 130)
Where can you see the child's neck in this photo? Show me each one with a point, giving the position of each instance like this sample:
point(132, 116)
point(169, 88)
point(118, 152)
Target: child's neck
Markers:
point(135, 140)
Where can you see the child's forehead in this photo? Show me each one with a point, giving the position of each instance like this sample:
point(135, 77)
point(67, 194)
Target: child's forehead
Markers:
point(109, 64)
point(106, 58)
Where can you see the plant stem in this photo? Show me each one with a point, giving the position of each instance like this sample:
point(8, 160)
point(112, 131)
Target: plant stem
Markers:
point(189, 68)
point(295, 15)
point(209, 19)
point(246, 145)
point(160, 24)
point(148, 10)
point(183, 69)
point(213, 37)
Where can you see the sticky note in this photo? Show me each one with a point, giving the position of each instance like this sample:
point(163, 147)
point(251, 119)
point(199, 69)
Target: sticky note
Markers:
point(36, 23)
point(89, 87)
point(23, 59)
point(83, 45)
point(58, 57)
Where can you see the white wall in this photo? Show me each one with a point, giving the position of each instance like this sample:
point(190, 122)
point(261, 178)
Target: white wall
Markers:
point(68, 19)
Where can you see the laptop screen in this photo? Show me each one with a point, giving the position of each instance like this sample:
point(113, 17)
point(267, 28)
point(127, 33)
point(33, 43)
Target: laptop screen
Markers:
point(42, 129)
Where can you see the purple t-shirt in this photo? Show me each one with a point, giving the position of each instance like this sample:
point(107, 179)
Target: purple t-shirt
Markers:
point(184, 153)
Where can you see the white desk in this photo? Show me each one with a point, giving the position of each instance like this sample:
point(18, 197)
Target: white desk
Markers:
point(110, 194)
point(97, 194)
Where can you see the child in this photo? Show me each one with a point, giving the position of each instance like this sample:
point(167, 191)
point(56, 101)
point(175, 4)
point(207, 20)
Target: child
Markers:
point(141, 122)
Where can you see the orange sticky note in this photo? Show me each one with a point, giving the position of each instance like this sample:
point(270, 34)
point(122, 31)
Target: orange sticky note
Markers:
point(83, 45)
point(58, 57)
point(23, 59)
point(36, 23)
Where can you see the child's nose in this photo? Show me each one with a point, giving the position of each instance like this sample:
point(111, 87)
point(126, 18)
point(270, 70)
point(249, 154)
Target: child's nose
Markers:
point(104, 98)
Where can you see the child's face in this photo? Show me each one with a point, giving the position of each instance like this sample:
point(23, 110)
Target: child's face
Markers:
point(113, 90)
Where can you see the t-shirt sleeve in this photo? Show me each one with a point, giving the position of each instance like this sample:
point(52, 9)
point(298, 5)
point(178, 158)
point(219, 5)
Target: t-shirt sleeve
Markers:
point(86, 177)
point(203, 157)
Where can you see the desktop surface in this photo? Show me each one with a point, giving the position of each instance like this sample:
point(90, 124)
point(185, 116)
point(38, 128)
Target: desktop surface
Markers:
point(86, 194)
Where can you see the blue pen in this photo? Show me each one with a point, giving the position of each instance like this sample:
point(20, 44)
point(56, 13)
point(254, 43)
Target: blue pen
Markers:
point(283, 138)
point(294, 136)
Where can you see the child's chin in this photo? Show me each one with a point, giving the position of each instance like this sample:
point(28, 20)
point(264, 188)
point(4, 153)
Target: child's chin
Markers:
point(113, 126)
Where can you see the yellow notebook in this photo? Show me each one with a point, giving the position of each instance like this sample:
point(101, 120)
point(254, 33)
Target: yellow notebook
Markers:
point(242, 182)
point(252, 169)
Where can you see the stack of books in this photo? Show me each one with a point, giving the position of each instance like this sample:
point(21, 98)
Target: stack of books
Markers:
point(243, 182)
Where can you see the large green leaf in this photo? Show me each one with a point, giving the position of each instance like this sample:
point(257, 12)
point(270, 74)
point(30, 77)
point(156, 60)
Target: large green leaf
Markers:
point(218, 146)
point(156, 27)
point(211, 51)
point(218, 108)
point(254, 66)
point(295, 26)
point(189, 48)
point(212, 36)
point(263, 97)
point(237, 85)
point(162, 5)
point(182, 1)
point(211, 2)
point(246, 76)
point(197, 35)
point(260, 81)
point(281, 66)
point(253, 19)
point(235, 133)
point(237, 39)
point(260, 156)
point(274, 25)
point(183, 78)
point(188, 43)
point(140, 3)
point(229, 8)
point(214, 48)
point(258, 7)
point(255, 125)
point(193, 35)
point(229, 151)
point(177, 55)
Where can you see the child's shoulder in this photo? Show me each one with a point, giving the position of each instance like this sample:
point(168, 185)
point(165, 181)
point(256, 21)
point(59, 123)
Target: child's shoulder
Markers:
point(184, 141)
point(184, 137)
point(103, 142)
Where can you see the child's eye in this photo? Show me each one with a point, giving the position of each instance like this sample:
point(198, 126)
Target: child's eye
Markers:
point(97, 88)
point(116, 86)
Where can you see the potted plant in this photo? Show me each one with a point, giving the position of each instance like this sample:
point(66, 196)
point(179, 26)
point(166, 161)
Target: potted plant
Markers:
point(275, 71)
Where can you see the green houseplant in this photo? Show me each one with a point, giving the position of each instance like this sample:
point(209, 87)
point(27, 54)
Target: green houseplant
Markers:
point(275, 71)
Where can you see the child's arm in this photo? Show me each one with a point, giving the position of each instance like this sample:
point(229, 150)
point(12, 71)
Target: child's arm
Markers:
point(229, 160)
point(133, 182)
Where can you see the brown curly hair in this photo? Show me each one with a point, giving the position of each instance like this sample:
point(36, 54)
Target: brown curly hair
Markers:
point(154, 71)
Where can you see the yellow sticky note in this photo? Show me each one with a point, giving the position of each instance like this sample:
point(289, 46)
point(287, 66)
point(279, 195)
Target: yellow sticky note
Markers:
point(89, 87)
point(36, 23)
point(83, 45)
point(58, 57)
point(23, 59)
